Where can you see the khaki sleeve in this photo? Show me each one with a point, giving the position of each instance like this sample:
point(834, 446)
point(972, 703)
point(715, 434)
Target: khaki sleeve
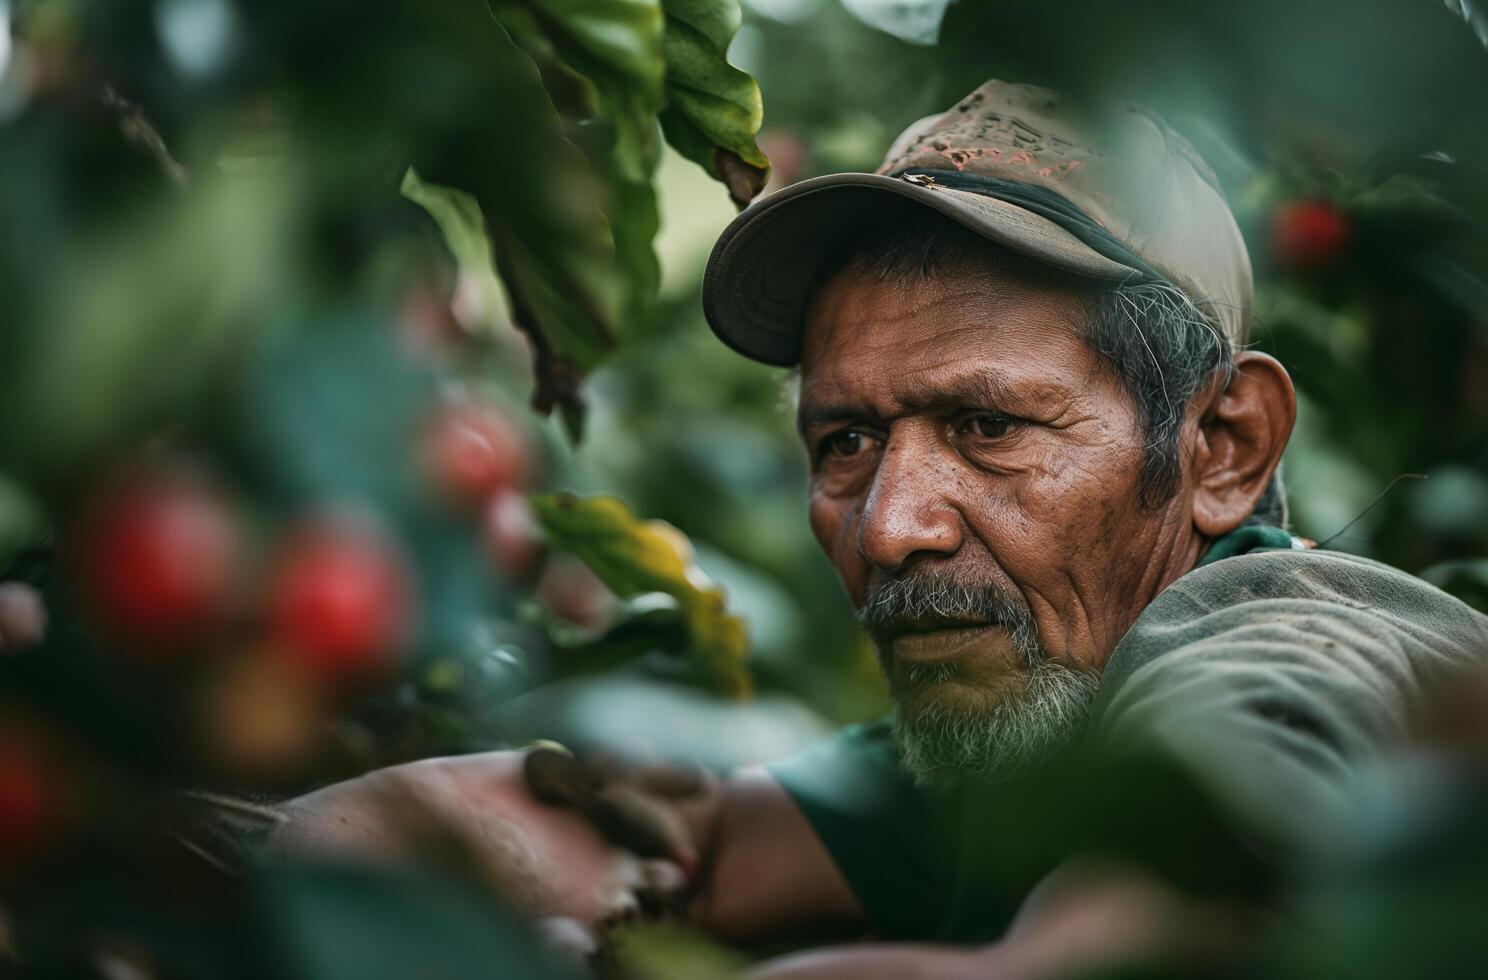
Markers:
point(1278, 678)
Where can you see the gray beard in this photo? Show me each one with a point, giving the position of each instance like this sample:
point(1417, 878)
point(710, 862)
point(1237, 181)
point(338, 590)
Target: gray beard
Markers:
point(938, 742)
point(1043, 711)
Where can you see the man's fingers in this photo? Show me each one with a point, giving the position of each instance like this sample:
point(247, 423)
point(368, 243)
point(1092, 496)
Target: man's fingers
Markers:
point(643, 808)
point(660, 877)
point(555, 777)
point(673, 780)
point(638, 821)
point(603, 766)
point(568, 939)
point(663, 887)
point(553, 770)
point(622, 810)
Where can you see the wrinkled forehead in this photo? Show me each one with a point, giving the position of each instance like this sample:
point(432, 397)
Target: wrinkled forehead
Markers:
point(859, 312)
point(929, 276)
point(897, 343)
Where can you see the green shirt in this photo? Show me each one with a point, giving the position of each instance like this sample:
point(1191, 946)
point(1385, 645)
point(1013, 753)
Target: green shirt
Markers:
point(1273, 674)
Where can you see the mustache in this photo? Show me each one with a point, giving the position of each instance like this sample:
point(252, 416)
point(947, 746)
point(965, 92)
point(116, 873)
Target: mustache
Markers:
point(922, 601)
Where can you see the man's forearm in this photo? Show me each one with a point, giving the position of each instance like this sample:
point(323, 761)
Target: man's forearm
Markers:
point(766, 876)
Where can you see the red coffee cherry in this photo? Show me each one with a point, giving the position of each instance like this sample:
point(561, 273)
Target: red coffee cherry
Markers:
point(25, 810)
point(571, 591)
point(340, 601)
point(158, 558)
point(471, 449)
point(1308, 235)
point(34, 804)
point(511, 534)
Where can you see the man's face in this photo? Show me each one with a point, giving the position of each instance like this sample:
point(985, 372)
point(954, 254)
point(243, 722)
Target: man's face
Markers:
point(974, 479)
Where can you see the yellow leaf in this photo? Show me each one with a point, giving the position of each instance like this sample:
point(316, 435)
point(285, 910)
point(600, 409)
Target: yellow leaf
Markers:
point(633, 556)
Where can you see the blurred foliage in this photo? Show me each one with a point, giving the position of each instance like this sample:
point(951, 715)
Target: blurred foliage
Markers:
point(285, 241)
point(671, 952)
point(266, 466)
point(635, 558)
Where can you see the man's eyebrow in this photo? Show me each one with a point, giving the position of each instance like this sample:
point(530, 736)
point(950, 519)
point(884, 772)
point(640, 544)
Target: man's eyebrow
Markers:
point(811, 413)
point(980, 389)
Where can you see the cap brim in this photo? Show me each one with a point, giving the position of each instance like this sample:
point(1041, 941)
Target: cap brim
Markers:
point(767, 260)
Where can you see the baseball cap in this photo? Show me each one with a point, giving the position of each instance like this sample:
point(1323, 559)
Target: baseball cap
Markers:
point(1115, 196)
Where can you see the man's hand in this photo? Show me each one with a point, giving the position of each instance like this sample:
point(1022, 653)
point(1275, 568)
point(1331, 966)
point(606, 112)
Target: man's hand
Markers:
point(611, 840)
point(757, 871)
point(654, 810)
point(548, 862)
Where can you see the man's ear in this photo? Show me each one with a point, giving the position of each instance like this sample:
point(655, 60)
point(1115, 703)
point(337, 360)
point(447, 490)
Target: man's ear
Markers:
point(1242, 433)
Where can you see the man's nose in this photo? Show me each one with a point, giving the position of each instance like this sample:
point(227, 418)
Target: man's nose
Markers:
point(907, 511)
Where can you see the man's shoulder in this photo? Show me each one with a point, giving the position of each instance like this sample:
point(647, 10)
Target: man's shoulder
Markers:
point(1327, 607)
point(1275, 675)
point(1296, 579)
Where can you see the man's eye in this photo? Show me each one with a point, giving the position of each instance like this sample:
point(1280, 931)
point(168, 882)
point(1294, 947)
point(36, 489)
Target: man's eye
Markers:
point(845, 443)
point(991, 426)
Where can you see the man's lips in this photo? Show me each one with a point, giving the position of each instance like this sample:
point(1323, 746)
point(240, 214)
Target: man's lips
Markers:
point(944, 644)
point(929, 624)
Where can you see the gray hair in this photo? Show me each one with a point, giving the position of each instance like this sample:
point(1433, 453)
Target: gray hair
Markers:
point(1048, 712)
point(1161, 345)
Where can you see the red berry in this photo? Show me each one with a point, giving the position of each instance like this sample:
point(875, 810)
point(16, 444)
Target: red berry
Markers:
point(511, 534)
point(30, 812)
point(340, 602)
point(573, 592)
point(472, 449)
point(23, 803)
point(1307, 235)
point(158, 557)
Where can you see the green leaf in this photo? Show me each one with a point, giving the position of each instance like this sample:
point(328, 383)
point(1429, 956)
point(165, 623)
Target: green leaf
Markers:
point(615, 45)
point(498, 137)
point(139, 317)
point(634, 221)
point(714, 110)
point(602, 62)
point(569, 333)
point(632, 556)
point(670, 951)
point(464, 229)
point(340, 920)
point(649, 623)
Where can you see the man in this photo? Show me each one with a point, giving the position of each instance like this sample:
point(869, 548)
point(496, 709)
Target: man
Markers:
point(1046, 469)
